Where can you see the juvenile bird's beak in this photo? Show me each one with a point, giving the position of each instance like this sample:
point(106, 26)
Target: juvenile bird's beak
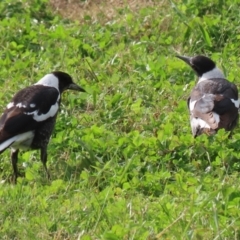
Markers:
point(74, 86)
point(185, 59)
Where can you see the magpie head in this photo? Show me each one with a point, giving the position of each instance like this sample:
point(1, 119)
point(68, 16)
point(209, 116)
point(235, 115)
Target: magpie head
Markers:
point(65, 82)
point(200, 64)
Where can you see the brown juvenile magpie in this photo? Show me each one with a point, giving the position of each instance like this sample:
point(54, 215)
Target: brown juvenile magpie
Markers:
point(29, 119)
point(213, 103)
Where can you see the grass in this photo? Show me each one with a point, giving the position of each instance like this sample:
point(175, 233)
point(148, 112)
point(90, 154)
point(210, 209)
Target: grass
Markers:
point(123, 162)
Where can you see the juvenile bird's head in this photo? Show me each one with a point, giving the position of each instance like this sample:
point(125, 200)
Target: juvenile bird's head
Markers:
point(204, 67)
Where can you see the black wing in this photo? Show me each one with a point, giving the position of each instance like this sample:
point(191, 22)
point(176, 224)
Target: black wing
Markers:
point(215, 95)
point(26, 109)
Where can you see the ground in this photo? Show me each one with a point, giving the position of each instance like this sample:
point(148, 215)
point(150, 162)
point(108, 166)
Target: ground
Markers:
point(77, 9)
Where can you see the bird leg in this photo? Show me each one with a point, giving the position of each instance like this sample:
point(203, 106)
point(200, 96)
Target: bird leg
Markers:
point(14, 159)
point(44, 161)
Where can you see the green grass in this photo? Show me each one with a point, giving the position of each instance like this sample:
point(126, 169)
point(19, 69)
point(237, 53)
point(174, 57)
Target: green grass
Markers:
point(123, 162)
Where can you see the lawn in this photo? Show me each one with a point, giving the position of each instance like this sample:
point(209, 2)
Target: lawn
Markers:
point(123, 162)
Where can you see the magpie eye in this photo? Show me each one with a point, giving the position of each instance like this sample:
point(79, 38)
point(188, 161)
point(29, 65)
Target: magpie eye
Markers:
point(195, 68)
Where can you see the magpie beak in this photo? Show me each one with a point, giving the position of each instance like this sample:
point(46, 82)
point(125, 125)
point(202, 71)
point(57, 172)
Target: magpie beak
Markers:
point(185, 59)
point(74, 86)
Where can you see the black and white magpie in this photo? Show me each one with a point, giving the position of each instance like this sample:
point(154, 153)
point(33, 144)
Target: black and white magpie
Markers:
point(213, 102)
point(29, 119)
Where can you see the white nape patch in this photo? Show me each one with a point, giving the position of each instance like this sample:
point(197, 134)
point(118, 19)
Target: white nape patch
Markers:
point(52, 112)
point(20, 105)
point(49, 80)
point(192, 105)
point(215, 73)
point(32, 105)
point(22, 140)
point(198, 122)
point(10, 105)
point(236, 102)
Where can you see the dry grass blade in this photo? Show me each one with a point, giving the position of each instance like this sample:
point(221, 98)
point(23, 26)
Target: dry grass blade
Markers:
point(107, 9)
point(159, 236)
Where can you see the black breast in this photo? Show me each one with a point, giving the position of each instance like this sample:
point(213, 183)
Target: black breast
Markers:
point(43, 133)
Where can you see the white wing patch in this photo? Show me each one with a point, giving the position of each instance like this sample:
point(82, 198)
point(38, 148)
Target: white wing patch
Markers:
point(20, 105)
point(215, 73)
point(199, 123)
point(236, 103)
point(216, 117)
point(192, 105)
point(52, 112)
point(39, 118)
point(49, 80)
point(32, 105)
point(22, 140)
point(10, 105)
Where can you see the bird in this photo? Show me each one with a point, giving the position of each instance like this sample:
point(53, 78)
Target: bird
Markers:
point(213, 103)
point(29, 119)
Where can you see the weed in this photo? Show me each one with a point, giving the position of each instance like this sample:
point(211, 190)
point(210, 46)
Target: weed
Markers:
point(123, 161)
